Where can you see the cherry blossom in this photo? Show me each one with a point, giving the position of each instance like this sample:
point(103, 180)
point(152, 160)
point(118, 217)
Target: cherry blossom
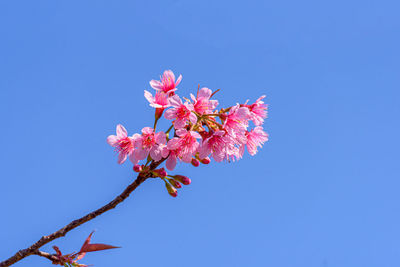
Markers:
point(160, 100)
point(202, 103)
point(167, 82)
point(258, 111)
point(186, 143)
point(181, 112)
point(149, 143)
point(123, 144)
point(199, 132)
point(255, 138)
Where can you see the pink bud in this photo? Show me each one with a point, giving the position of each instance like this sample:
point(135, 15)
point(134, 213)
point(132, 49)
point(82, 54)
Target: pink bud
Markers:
point(175, 184)
point(137, 168)
point(206, 160)
point(183, 179)
point(161, 172)
point(171, 190)
point(195, 162)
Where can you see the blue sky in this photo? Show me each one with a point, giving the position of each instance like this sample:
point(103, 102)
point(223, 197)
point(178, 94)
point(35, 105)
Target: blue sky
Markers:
point(323, 192)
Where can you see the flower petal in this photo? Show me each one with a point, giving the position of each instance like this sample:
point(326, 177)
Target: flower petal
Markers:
point(171, 162)
point(155, 153)
point(121, 131)
point(169, 74)
point(178, 81)
point(112, 140)
point(121, 158)
point(170, 114)
point(160, 138)
point(156, 84)
point(149, 97)
point(204, 93)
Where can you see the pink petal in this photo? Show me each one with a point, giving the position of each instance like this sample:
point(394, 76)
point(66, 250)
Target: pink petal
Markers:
point(181, 132)
point(171, 162)
point(156, 84)
point(141, 153)
point(112, 140)
point(169, 74)
point(121, 131)
point(164, 151)
point(219, 133)
point(204, 150)
point(218, 156)
point(195, 134)
point(204, 93)
point(180, 123)
point(133, 159)
point(155, 153)
point(121, 158)
point(175, 101)
point(193, 118)
point(170, 114)
point(160, 138)
point(173, 143)
point(147, 130)
point(178, 81)
point(213, 104)
point(149, 96)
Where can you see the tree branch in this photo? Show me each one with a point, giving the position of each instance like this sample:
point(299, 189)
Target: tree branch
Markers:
point(49, 256)
point(34, 249)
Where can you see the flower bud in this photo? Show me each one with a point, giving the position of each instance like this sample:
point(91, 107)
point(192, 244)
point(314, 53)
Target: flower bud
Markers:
point(195, 162)
point(206, 160)
point(161, 173)
point(137, 168)
point(183, 179)
point(174, 183)
point(171, 190)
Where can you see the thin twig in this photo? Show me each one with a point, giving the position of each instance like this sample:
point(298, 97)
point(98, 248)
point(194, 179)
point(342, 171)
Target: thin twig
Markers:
point(52, 257)
point(34, 249)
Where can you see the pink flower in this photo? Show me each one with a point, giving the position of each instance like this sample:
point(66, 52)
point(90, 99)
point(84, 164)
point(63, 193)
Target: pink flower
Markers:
point(202, 103)
point(258, 111)
point(123, 144)
point(149, 143)
point(236, 123)
point(160, 100)
point(255, 138)
point(180, 112)
point(167, 82)
point(186, 144)
point(216, 145)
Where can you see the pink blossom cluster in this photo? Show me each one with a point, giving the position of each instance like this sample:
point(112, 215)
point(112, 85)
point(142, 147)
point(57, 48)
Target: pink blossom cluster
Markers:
point(201, 132)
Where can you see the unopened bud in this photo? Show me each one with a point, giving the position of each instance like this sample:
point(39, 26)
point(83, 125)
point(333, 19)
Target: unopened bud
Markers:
point(195, 162)
point(206, 160)
point(175, 184)
point(171, 190)
point(137, 168)
point(161, 173)
point(183, 179)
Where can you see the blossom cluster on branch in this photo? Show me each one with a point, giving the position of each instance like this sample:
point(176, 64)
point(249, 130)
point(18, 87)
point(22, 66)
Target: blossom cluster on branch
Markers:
point(201, 131)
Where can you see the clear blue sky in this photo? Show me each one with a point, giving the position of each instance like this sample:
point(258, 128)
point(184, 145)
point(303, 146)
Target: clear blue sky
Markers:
point(323, 192)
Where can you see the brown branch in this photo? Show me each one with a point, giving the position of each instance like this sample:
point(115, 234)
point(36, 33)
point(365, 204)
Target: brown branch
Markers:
point(54, 259)
point(34, 249)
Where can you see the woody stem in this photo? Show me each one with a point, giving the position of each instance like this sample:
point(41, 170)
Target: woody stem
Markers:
point(34, 248)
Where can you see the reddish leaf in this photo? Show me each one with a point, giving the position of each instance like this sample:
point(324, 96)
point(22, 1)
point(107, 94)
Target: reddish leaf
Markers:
point(96, 247)
point(87, 247)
